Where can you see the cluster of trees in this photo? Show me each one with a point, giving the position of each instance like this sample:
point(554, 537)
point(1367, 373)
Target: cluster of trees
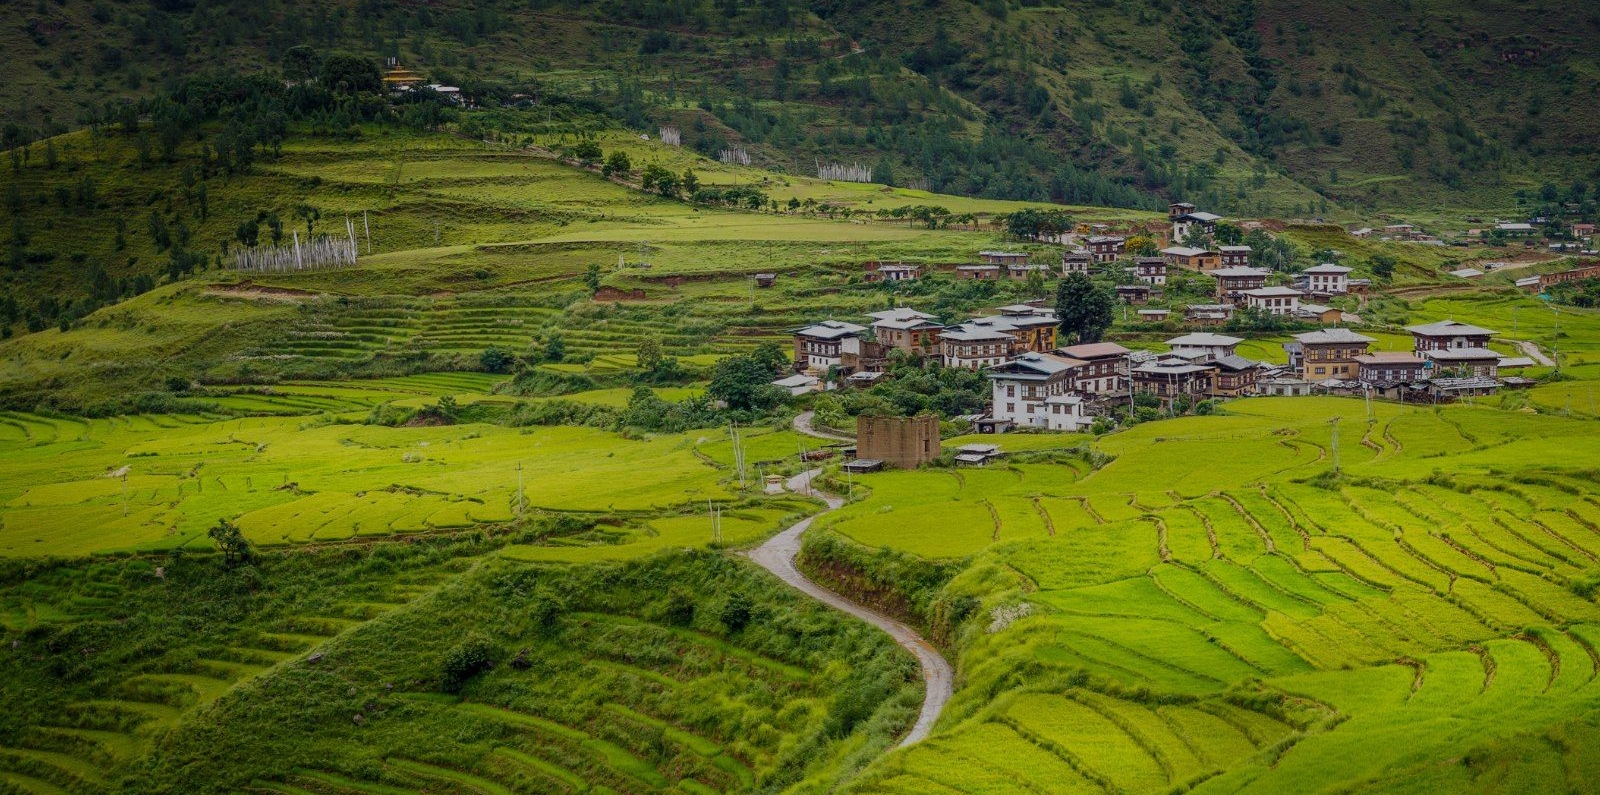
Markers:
point(1037, 224)
point(912, 386)
point(744, 382)
point(1584, 293)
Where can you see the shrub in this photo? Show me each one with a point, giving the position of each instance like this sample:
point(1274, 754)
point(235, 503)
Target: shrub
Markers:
point(462, 663)
point(736, 611)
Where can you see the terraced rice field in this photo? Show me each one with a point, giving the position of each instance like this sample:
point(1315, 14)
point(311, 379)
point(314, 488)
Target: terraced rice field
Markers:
point(1203, 617)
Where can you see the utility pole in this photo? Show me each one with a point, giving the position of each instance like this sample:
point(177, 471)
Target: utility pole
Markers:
point(521, 501)
point(367, 227)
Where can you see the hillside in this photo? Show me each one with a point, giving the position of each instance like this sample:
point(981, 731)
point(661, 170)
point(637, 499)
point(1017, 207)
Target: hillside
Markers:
point(1251, 108)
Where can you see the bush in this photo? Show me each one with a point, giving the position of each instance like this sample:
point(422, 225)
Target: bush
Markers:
point(736, 611)
point(466, 660)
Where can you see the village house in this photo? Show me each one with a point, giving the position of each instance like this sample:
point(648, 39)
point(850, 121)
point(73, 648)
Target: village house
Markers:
point(1185, 221)
point(1203, 260)
point(1034, 328)
point(1448, 334)
point(819, 347)
point(1273, 300)
point(1203, 346)
point(1104, 371)
point(1463, 362)
point(1234, 256)
point(1381, 368)
point(1363, 232)
point(895, 272)
point(1318, 313)
point(1207, 314)
point(1154, 315)
point(1106, 248)
point(1018, 271)
point(1150, 270)
point(974, 347)
point(907, 330)
point(1517, 229)
point(1327, 354)
point(1076, 262)
point(799, 384)
point(981, 273)
point(1134, 294)
point(1400, 231)
point(1032, 390)
point(1235, 377)
point(1232, 282)
point(1582, 231)
point(1004, 259)
point(1171, 378)
point(1327, 279)
point(1360, 286)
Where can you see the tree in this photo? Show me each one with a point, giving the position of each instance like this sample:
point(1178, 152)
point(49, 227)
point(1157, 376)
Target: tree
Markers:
point(349, 74)
point(1085, 309)
point(495, 360)
point(1383, 266)
point(617, 163)
point(736, 611)
point(649, 356)
point(301, 62)
point(1141, 246)
point(690, 182)
point(586, 151)
point(591, 278)
point(1229, 235)
point(466, 660)
point(555, 349)
point(236, 550)
point(744, 382)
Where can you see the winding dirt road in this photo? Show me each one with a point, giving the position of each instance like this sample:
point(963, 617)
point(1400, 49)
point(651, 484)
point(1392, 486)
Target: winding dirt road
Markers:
point(778, 555)
point(1533, 352)
point(802, 424)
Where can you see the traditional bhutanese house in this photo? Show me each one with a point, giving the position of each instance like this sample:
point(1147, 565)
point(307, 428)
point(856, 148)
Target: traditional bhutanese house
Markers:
point(1210, 347)
point(1400, 231)
point(1154, 315)
point(819, 347)
point(1330, 353)
point(1363, 232)
point(1273, 300)
point(1151, 270)
point(864, 378)
point(1231, 282)
point(1018, 271)
point(1171, 378)
point(981, 273)
point(765, 280)
point(974, 347)
point(1134, 294)
point(1075, 262)
point(1582, 230)
point(1207, 314)
point(1381, 368)
point(1022, 387)
point(1532, 284)
point(1447, 334)
point(1004, 258)
point(1104, 370)
point(1034, 328)
point(1235, 376)
point(1282, 385)
point(1463, 362)
point(1360, 286)
point(1234, 256)
point(1106, 248)
point(1327, 279)
point(799, 384)
point(1198, 259)
point(1318, 313)
point(896, 272)
point(1186, 220)
point(1457, 388)
point(915, 334)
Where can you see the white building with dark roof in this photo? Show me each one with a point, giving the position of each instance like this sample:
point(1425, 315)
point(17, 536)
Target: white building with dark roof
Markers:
point(1273, 300)
point(1204, 346)
point(1024, 386)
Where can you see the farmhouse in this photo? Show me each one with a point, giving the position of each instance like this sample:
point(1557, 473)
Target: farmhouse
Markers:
point(895, 273)
point(1327, 279)
point(1390, 367)
point(1150, 270)
point(1207, 314)
point(1106, 248)
point(1193, 258)
point(912, 332)
point(819, 347)
point(1018, 271)
point(1171, 378)
point(974, 347)
point(1463, 362)
point(1185, 220)
point(799, 384)
point(1204, 347)
point(1004, 258)
point(1075, 262)
point(1023, 387)
point(1448, 334)
point(1235, 376)
point(1319, 313)
point(1232, 282)
point(1134, 293)
point(1331, 353)
point(1104, 370)
point(1273, 300)
point(1234, 256)
point(1154, 315)
point(1034, 328)
point(981, 273)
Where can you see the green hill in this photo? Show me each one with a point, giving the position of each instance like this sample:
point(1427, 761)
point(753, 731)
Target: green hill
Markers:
point(1428, 106)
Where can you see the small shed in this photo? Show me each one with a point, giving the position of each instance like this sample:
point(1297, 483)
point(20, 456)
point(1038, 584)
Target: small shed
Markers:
point(1134, 293)
point(977, 454)
point(765, 280)
point(1154, 315)
point(863, 465)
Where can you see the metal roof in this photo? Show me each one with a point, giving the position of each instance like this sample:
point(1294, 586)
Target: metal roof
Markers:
point(1450, 328)
point(1204, 339)
point(1331, 335)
